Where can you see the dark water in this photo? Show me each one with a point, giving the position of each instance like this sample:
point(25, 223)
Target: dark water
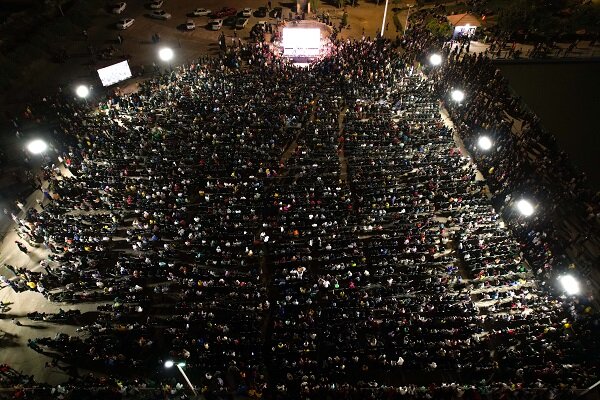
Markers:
point(567, 99)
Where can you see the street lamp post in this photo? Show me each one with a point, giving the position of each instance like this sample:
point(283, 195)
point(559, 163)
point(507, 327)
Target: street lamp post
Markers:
point(83, 92)
point(407, 15)
point(569, 284)
point(457, 95)
point(384, 15)
point(37, 146)
point(180, 365)
point(435, 59)
point(166, 54)
point(484, 143)
point(525, 207)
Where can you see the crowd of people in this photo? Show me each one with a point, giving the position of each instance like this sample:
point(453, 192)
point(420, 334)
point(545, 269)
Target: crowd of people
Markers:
point(303, 233)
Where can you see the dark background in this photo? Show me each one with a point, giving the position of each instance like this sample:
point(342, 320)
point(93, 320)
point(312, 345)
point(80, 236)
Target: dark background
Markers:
point(566, 98)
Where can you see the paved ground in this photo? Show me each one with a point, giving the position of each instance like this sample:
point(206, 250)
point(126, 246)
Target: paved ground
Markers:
point(13, 338)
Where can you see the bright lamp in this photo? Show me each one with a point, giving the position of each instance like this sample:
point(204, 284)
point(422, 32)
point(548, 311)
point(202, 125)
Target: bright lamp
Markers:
point(570, 284)
point(525, 207)
point(37, 146)
point(82, 91)
point(435, 59)
point(165, 54)
point(457, 95)
point(484, 143)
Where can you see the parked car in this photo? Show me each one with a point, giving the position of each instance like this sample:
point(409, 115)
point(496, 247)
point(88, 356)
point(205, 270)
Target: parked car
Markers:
point(241, 23)
point(190, 25)
point(125, 23)
point(160, 14)
point(261, 12)
point(118, 8)
point(215, 24)
point(224, 12)
point(201, 12)
point(246, 12)
point(156, 4)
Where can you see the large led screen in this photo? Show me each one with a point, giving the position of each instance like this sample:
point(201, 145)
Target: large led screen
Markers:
point(114, 73)
point(301, 41)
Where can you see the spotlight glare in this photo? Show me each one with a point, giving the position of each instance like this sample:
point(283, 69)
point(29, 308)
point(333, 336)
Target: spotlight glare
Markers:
point(37, 146)
point(82, 91)
point(435, 59)
point(165, 54)
point(525, 207)
point(484, 143)
point(169, 363)
point(458, 95)
point(570, 284)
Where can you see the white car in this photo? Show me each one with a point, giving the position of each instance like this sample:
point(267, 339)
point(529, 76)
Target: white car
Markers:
point(201, 12)
point(241, 23)
point(160, 14)
point(246, 12)
point(118, 8)
point(125, 23)
point(156, 4)
point(215, 24)
point(190, 25)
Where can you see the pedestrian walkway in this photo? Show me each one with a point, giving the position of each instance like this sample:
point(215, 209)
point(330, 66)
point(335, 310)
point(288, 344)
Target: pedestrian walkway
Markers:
point(521, 51)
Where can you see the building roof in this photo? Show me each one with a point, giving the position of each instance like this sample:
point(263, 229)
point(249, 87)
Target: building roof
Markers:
point(463, 19)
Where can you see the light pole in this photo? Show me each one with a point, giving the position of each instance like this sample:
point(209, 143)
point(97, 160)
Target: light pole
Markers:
point(166, 54)
point(457, 95)
point(484, 143)
point(384, 15)
point(569, 284)
point(180, 365)
point(83, 92)
point(435, 59)
point(37, 146)
point(407, 15)
point(525, 207)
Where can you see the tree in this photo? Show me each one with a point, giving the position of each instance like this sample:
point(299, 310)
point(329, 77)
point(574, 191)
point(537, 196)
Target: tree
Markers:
point(314, 5)
point(341, 3)
point(441, 30)
point(518, 15)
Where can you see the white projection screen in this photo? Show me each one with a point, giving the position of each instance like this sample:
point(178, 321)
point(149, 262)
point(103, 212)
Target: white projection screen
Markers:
point(114, 73)
point(301, 42)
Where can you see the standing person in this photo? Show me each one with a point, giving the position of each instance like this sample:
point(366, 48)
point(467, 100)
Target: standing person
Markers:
point(22, 247)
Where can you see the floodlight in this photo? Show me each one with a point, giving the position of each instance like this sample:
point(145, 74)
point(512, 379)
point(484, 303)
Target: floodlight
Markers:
point(82, 91)
point(435, 59)
point(165, 54)
point(525, 207)
point(484, 143)
point(37, 146)
point(570, 284)
point(457, 95)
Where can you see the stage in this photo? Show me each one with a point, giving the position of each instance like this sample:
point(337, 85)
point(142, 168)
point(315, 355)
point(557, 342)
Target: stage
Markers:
point(304, 41)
